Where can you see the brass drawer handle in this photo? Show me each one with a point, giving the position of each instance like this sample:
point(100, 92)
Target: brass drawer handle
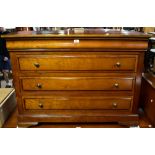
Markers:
point(37, 65)
point(116, 85)
point(114, 105)
point(151, 100)
point(118, 64)
point(39, 85)
point(40, 105)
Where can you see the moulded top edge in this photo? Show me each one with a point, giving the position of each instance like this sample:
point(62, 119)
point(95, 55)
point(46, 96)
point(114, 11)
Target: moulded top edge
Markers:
point(86, 34)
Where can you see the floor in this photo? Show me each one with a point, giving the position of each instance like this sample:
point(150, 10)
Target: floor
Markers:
point(12, 123)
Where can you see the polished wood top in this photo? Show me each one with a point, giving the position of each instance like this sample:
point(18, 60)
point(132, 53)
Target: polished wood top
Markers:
point(98, 32)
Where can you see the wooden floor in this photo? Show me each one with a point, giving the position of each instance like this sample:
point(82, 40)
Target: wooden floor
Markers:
point(12, 123)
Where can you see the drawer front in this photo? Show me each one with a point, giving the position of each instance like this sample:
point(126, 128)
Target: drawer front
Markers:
point(78, 61)
point(77, 83)
point(79, 42)
point(78, 103)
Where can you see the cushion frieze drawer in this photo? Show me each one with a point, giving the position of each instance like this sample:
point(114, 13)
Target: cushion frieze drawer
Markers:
point(78, 83)
point(78, 61)
point(77, 103)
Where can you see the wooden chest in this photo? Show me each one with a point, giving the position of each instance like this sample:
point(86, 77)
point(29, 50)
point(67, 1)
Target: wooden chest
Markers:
point(78, 78)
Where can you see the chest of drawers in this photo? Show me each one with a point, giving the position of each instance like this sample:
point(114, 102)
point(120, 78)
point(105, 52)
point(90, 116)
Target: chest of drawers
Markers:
point(77, 78)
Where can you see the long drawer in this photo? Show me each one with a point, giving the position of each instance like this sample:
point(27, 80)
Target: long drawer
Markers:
point(78, 61)
point(77, 103)
point(78, 83)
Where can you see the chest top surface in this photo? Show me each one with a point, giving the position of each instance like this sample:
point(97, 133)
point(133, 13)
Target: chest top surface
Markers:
point(87, 33)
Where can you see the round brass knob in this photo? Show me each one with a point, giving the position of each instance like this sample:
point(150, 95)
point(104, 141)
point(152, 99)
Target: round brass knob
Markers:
point(114, 105)
point(116, 85)
point(37, 65)
point(151, 100)
point(118, 64)
point(150, 126)
point(40, 105)
point(39, 85)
